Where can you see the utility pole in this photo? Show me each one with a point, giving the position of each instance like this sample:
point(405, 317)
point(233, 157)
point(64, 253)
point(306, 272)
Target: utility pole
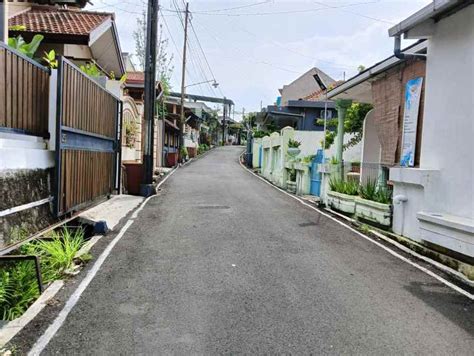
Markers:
point(183, 77)
point(147, 188)
point(4, 21)
point(239, 140)
point(223, 122)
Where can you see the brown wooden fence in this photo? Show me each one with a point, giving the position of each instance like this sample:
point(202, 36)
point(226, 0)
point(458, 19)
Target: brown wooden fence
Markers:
point(24, 93)
point(88, 140)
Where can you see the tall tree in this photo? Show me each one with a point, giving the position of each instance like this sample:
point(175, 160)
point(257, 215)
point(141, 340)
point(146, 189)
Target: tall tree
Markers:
point(164, 61)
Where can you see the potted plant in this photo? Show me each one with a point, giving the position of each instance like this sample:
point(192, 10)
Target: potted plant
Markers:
point(130, 133)
point(341, 195)
point(374, 204)
point(183, 154)
point(293, 148)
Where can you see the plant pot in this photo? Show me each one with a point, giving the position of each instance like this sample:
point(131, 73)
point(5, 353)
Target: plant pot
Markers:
point(291, 186)
point(341, 202)
point(378, 213)
point(293, 151)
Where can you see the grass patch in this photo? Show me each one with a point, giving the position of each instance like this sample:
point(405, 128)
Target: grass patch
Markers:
point(18, 285)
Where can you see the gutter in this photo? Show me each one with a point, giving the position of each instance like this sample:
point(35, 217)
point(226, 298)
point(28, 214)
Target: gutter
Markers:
point(397, 52)
point(374, 70)
point(436, 8)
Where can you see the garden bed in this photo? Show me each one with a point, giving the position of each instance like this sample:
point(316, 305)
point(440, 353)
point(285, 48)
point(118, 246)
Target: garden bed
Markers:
point(341, 202)
point(375, 212)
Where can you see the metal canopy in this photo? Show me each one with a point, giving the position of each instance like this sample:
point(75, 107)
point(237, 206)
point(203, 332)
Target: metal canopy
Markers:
point(203, 98)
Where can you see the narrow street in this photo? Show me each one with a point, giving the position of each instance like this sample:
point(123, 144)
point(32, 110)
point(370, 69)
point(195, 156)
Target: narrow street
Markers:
point(222, 263)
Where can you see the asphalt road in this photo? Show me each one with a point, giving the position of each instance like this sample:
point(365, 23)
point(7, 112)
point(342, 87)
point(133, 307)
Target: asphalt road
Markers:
point(222, 263)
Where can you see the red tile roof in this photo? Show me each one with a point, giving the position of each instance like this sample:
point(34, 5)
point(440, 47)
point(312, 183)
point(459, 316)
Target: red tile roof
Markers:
point(47, 19)
point(135, 78)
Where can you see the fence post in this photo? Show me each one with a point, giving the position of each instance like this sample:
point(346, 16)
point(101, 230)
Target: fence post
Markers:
point(52, 107)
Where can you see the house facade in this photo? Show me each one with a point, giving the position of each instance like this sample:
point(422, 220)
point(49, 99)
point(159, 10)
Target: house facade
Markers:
point(437, 198)
point(433, 195)
point(80, 36)
point(314, 80)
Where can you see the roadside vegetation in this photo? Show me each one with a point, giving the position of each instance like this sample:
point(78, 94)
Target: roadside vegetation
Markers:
point(369, 190)
point(18, 283)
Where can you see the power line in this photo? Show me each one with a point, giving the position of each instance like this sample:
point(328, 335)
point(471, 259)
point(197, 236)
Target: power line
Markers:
point(247, 55)
point(192, 61)
point(204, 56)
point(240, 7)
point(195, 57)
point(354, 13)
point(289, 11)
point(334, 65)
point(173, 41)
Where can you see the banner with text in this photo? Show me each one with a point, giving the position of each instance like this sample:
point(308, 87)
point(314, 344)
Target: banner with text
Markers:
point(410, 121)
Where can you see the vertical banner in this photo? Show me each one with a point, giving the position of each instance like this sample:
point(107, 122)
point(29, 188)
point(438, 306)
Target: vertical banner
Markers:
point(410, 121)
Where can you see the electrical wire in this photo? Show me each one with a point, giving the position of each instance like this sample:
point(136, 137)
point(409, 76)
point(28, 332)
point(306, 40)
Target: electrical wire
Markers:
point(325, 7)
point(354, 13)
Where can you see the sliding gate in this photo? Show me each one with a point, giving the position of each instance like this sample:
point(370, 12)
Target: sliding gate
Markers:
point(87, 140)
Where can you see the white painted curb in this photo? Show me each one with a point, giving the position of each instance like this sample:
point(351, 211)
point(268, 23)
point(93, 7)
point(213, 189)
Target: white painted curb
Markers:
point(8, 331)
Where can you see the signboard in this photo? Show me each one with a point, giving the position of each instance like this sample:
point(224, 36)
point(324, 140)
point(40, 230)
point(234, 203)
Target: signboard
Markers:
point(410, 121)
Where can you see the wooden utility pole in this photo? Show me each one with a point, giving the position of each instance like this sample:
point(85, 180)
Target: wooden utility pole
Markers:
point(147, 188)
point(183, 77)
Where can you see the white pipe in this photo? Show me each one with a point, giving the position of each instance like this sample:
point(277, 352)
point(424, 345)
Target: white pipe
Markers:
point(25, 207)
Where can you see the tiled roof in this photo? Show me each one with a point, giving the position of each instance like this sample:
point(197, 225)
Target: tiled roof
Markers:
point(47, 19)
point(135, 77)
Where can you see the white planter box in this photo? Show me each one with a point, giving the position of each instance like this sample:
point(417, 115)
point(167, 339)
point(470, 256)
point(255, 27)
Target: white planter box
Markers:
point(373, 211)
point(341, 202)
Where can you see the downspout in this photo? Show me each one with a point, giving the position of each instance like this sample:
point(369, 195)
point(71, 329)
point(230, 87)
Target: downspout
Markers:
point(400, 55)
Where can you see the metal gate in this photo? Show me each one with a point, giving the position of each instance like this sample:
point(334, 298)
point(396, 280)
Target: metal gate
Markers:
point(88, 140)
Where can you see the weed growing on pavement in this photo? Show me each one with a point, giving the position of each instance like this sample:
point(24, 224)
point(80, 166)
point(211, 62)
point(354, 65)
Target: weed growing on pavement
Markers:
point(18, 284)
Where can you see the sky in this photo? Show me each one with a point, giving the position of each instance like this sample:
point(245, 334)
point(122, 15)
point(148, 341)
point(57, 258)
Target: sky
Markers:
point(253, 47)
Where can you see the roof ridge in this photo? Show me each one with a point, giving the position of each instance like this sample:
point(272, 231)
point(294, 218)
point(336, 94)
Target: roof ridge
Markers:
point(52, 8)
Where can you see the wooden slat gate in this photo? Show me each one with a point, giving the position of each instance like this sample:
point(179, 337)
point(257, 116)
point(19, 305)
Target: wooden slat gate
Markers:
point(87, 140)
point(24, 93)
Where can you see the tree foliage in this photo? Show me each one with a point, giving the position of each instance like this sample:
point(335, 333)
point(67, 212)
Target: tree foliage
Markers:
point(353, 124)
point(164, 62)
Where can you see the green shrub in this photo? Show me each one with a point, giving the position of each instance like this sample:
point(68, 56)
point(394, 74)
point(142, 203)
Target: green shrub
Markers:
point(383, 196)
point(334, 160)
point(351, 187)
point(19, 289)
point(57, 254)
point(259, 134)
point(368, 189)
point(18, 284)
point(183, 152)
point(339, 186)
point(308, 159)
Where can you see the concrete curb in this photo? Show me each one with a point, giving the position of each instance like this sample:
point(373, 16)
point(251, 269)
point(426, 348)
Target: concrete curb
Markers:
point(8, 331)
